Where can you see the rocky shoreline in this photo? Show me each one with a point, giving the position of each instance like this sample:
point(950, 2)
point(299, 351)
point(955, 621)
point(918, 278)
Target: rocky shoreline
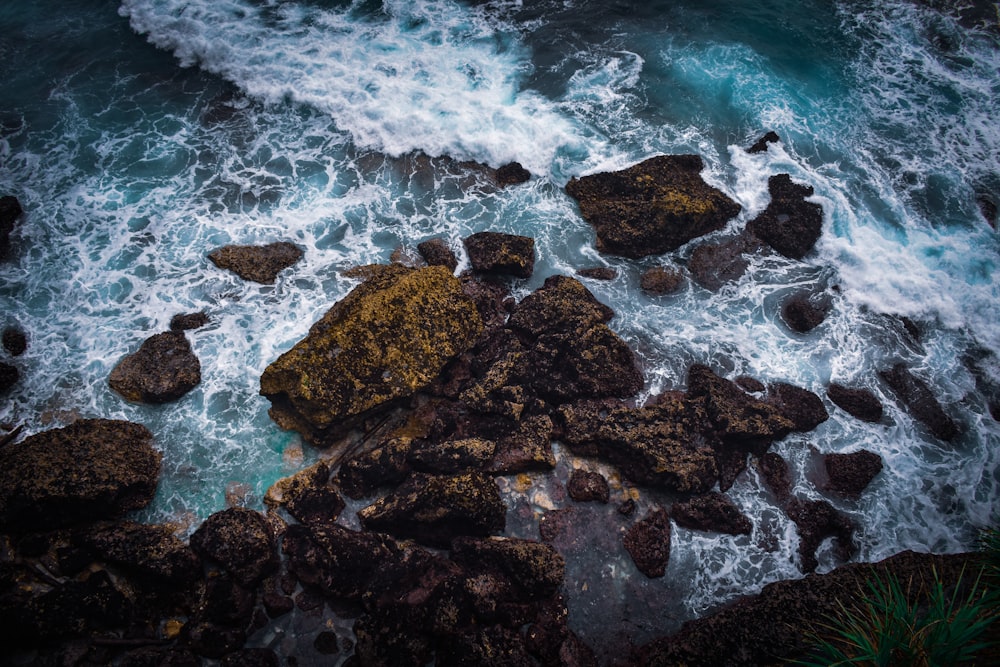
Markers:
point(422, 389)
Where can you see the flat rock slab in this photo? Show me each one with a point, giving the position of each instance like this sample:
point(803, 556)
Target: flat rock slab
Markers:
point(713, 512)
point(260, 264)
point(163, 369)
point(652, 207)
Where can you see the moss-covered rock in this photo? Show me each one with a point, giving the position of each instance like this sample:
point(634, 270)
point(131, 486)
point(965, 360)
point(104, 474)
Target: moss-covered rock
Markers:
point(260, 264)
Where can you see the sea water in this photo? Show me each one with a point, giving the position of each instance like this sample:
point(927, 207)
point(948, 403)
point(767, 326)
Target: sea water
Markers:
point(140, 137)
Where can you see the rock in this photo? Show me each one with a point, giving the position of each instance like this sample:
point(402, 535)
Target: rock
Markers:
point(9, 375)
point(585, 486)
point(561, 305)
point(90, 470)
point(761, 144)
point(437, 253)
point(338, 562)
point(493, 252)
point(749, 384)
point(76, 608)
point(451, 456)
point(386, 464)
point(712, 265)
point(251, 657)
point(660, 280)
point(386, 640)
point(648, 543)
point(390, 337)
point(307, 495)
point(433, 510)
point(598, 273)
point(850, 474)
point(738, 418)
point(162, 370)
point(160, 657)
point(241, 541)
point(789, 224)
point(512, 174)
point(774, 471)
point(801, 315)
point(487, 647)
point(10, 211)
point(816, 521)
point(527, 449)
point(14, 341)
point(327, 643)
point(652, 207)
point(860, 403)
point(919, 401)
point(535, 569)
point(188, 321)
point(712, 512)
point(260, 264)
point(804, 409)
point(151, 553)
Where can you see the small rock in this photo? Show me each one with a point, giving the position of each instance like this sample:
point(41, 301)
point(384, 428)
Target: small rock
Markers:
point(860, 403)
point(789, 224)
point(761, 144)
point(260, 264)
point(713, 512)
point(801, 315)
point(437, 253)
point(850, 474)
point(648, 543)
point(188, 321)
point(163, 369)
point(800, 406)
point(920, 401)
point(493, 252)
point(14, 341)
point(712, 265)
point(326, 642)
point(512, 174)
point(774, 470)
point(661, 281)
point(598, 273)
point(752, 385)
point(585, 486)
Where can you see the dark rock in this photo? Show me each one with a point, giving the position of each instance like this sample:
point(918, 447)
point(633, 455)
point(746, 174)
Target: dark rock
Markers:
point(10, 211)
point(752, 385)
point(488, 647)
point(712, 265)
point(493, 252)
point(598, 273)
point(326, 642)
point(386, 464)
point(561, 305)
point(860, 403)
point(160, 657)
point(920, 401)
point(14, 341)
point(575, 653)
point(816, 521)
point(512, 174)
point(451, 456)
point(260, 264)
point(338, 562)
point(713, 512)
point(9, 376)
point(251, 657)
point(241, 541)
point(307, 495)
point(433, 510)
point(163, 369)
point(627, 507)
point(850, 474)
point(188, 321)
point(652, 207)
point(661, 280)
point(648, 543)
point(388, 338)
point(789, 224)
point(152, 553)
point(800, 406)
point(559, 527)
point(526, 449)
point(90, 470)
point(801, 315)
point(74, 609)
point(739, 419)
point(535, 569)
point(774, 470)
point(213, 641)
point(547, 632)
point(761, 144)
point(585, 486)
point(385, 639)
point(437, 253)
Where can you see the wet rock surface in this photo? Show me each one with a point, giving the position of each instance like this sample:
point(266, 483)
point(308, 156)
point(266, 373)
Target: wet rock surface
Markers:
point(259, 264)
point(661, 281)
point(508, 254)
point(163, 369)
point(188, 321)
point(857, 402)
point(648, 543)
point(920, 401)
point(10, 211)
point(850, 474)
point(790, 224)
point(713, 512)
point(436, 252)
point(803, 313)
point(586, 486)
point(241, 541)
point(713, 265)
point(15, 341)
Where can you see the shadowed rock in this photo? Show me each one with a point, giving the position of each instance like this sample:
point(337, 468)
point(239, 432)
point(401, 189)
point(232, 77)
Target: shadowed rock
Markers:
point(383, 465)
point(10, 211)
point(493, 252)
point(307, 495)
point(713, 512)
point(260, 264)
point(648, 543)
point(598, 273)
point(340, 563)
point(241, 541)
point(800, 406)
point(528, 448)
point(739, 418)
point(652, 207)
point(850, 474)
point(816, 521)
point(801, 314)
point(860, 403)
point(152, 553)
point(774, 471)
point(712, 265)
point(437, 253)
point(761, 144)
point(163, 369)
point(15, 341)
point(585, 486)
point(535, 569)
point(920, 401)
point(451, 456)
point(789, 224)
point(512, 174)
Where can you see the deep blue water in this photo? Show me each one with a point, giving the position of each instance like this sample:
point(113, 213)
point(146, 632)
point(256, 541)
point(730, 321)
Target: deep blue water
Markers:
point(140, 137)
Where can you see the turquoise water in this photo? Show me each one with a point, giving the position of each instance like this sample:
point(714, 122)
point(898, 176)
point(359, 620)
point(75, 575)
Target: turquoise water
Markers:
point(140, 137)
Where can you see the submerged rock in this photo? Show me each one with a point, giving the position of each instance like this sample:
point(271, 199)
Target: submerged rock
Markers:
point(860, 403)
point(260, 264)
point(920, 401)
point(850, 474)
point(10, 211)
point(493, 252)
point(712, 265)
point(652, 207)
point(90, 470)
point(789, 224)
point(598, 273)
point(661, 281)
point(163, 369)
point(15, 341)
point(647, 541)
point(712, 512)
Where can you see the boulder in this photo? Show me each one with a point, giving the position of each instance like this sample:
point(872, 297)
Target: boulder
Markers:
point(451, 456)
point(241, 541)
point(789, 224)
point(585, 486)
point(307, 495)
point(188, 321)
point(535, 569)
point(493, 252)
point(598, 273)
point(386, 464)
point(163, 369)
point(647, 541)
point(920, 401)
point(774, 471)
point(387, 339)
point(433, 509)
point(437, 253)
point(801, 314)
point(92, 469)
point(153, 554)
point(804, 409)
point(850, 474)
point(10, 211)
point(661, 281)
point(712, 265)
point(15, 341)
point(652, 207)
point(817, 520)
point(857, 402)
point(760, 145)
point(260, 264)
point(512, 173)
point(738, 418)
point(712, 512)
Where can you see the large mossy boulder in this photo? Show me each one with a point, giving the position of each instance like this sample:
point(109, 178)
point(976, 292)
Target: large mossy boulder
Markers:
point(388, 338)
point(90, 470)
point(652, 207)
point(163, 369)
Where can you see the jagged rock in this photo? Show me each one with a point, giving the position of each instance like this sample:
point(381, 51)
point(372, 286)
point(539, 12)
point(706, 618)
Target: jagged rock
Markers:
point(241, 541)
point(90, 470)
point(648, 543)
point(774, 471)
point(598, 273)
point(163, 369)
point(712, 265)
point(388, 338)
point(816, 521)
point(437, 253)
point(9, 375)
point(14, 341)
point(561, 305)
point(527, 448)
point(435, 509)
point(307, 495)
point(327, 643)
point(850, 474)
point(713, 512)
point(860, 403)
point(188, 321)
point(383, 465)
point(749, 384)
point(801, 314)
point(152, 553)
point(660, 280)
point(804, 409)
point(260, 264)
point(10, 211)
point(652, 207)
point(789, 224)
point(487, 647)
point(535, 569)
point(512, 174)
point(493, 252)
point(738, 418)
point(160, 657)
point(451, 456)
point(761, 144)
point(338, 562)
point(585, 486)
point(920, 401)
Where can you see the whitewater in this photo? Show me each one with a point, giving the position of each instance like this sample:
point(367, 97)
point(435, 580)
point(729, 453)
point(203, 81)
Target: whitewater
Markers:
point(141, 137)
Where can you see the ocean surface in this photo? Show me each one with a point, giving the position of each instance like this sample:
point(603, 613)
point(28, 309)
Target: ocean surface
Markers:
point(141, 136)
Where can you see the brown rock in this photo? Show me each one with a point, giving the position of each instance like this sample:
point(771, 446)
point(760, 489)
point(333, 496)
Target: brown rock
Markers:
point(493, 252)
point(528, 448)
point(512, 174)
point(789, 224)
point(384, 465)
point(800, 406)
point(713, 512)
point(712, 265)
point(163, 369)
point(598, 273)
point(338, 562)
point(920, 401)
point(860, 403)
point(648, 543)
point(260, 264)
point(9, 375)
point(850, 474)
point(152, 553)
point(437, 253)
point(801, 314)
point(774, 470)
point(241, 541)
point(661, 280)
point(535, 569)
point(739, 418)
point(585, 486)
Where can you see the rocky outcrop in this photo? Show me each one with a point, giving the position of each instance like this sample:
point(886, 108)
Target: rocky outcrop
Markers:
point(789, 224)
point(496, 253)
point(10, 211)
point(760, 145)
point(652, 207)
point(712, 512)
point(816, 521)
point(260, 264)
point(512, 173)
point(388, 338)
point(920, 401)
point(661, 280)
point(163, 369)
point(436, 252)
point(90, 470)
point(850, 474)
point(241, 541)
point(188, 321)
point(150, 553)
point(647, 541)
point(857, 402)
